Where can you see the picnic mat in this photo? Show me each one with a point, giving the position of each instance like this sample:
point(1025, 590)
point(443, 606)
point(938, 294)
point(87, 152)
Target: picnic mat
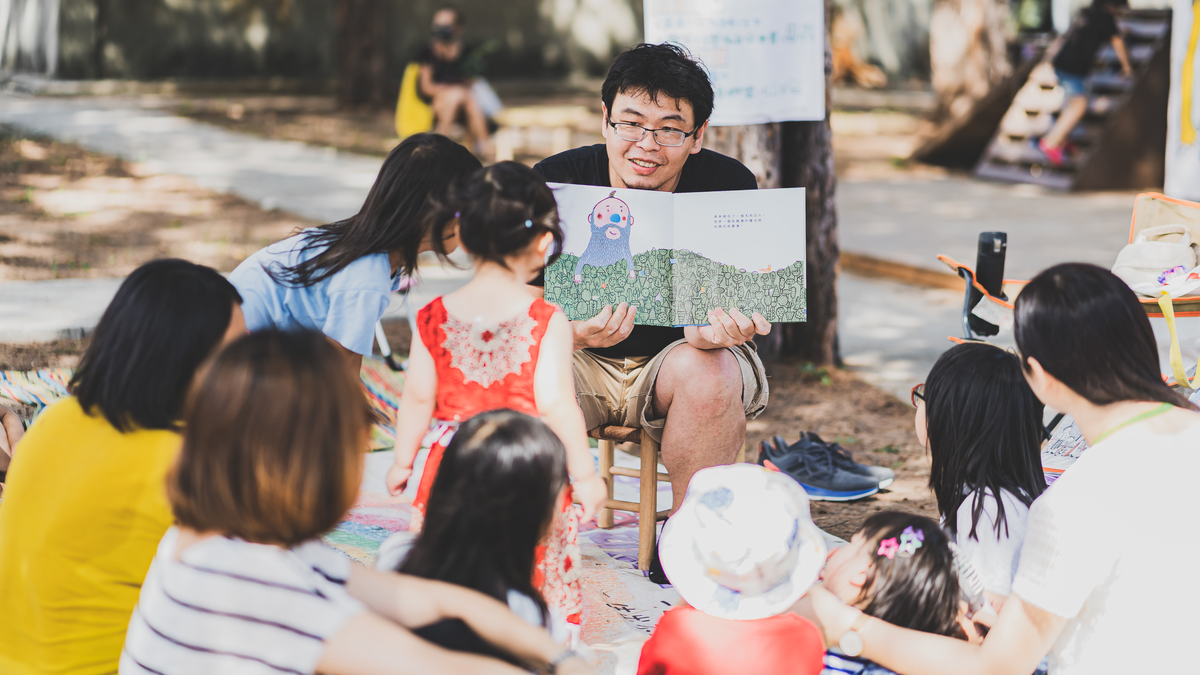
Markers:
point(382, 385)
point(620, 605)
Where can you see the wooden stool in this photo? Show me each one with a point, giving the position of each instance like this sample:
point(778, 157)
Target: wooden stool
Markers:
point(648, 477)
point(647, 474)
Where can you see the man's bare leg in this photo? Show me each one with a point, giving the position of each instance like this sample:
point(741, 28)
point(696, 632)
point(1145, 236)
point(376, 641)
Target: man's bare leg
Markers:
point(477, 120)
point(700, 394)
point(446, 104)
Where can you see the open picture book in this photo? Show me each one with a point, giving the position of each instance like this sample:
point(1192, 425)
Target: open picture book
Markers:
point(678, 256)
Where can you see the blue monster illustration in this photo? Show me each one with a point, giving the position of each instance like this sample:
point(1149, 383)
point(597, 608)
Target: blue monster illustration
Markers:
point(611, 222)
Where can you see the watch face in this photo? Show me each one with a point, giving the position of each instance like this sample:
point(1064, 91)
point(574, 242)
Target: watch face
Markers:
point(851, 643)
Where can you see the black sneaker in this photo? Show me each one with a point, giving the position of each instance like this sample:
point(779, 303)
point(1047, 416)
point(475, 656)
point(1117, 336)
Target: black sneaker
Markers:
point(844, 460)
point(816, 472)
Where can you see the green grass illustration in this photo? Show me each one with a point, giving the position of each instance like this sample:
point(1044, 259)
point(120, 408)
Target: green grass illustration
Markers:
point(699, 286)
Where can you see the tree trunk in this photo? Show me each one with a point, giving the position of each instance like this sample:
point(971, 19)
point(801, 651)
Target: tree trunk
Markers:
point(755, 145)
point(799, 154)
point(361, 53)
point(968, 52)
point(807, 162)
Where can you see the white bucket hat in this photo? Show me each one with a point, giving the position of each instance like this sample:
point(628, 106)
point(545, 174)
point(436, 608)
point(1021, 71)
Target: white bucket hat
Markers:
point(742, 545)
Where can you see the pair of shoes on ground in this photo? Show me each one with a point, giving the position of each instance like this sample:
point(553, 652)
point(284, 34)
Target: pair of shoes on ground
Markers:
point(826, 471)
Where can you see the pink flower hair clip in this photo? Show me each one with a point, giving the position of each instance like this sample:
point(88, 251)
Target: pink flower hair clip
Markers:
point(888, 547)
point(910, 541)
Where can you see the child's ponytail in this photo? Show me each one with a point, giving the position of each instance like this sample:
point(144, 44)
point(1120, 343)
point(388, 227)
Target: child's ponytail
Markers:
point(501, 211)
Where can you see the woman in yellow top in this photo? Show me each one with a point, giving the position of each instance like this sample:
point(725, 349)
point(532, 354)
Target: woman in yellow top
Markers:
point(85, 504)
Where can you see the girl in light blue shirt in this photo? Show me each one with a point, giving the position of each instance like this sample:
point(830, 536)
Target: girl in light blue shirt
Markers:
point(337, 278)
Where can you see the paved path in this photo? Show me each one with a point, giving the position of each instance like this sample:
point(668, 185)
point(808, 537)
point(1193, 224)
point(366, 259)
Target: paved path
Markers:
point(40, 311)
point(317, 183)
point(912, 221)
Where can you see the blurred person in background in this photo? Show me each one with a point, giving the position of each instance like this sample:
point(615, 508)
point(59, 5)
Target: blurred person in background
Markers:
point(85, 504)
point(1095, 25)
point(450, 81)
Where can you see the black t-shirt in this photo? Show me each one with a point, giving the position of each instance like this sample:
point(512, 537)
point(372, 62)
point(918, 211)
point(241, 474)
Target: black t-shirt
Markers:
point(445, 72)
point(1078, 53)
point(705, 171)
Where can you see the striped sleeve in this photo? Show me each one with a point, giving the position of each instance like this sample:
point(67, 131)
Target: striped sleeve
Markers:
point(236, 607)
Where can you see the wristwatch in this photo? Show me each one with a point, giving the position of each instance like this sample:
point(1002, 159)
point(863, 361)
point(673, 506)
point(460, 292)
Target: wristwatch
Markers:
point(851, 642)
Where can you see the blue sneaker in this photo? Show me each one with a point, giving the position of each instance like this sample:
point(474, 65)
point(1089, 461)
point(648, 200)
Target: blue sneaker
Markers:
point(842, 459)
point(817, 474)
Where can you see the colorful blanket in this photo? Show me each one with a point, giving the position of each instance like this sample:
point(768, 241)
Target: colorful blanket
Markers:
point(621, 606)
point(382, 385)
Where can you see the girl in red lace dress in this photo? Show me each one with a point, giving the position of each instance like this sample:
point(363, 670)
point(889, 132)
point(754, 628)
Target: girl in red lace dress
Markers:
point(492, 345)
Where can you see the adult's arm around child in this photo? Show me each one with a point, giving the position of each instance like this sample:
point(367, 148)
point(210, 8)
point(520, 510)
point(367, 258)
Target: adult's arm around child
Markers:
point(414, 413)
point(1022, 636)
point(413, 602)
point(554, 389)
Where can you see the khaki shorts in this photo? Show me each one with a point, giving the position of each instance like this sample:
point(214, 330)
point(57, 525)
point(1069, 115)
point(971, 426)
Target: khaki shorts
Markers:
point(620, 391)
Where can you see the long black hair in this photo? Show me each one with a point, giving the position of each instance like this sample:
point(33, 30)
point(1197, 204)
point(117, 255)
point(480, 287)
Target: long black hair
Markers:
point(918, 591)
point(1088, 330)
point(165, 319)
point(985, 432)
point(491, 504)
point(493, 208)
point(418, 172)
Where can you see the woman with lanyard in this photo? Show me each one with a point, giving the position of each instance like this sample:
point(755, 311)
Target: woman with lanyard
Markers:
point(1100, 585)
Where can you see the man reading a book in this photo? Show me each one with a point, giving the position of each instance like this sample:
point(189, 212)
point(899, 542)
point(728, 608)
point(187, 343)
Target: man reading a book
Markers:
point(691, 388)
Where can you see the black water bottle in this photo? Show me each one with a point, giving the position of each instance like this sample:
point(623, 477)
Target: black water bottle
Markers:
point(989, 272)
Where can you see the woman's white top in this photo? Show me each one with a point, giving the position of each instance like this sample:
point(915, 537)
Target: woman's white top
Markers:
point(995, 557)
point(1112, 547)
point(395, 549)
point(232, 607)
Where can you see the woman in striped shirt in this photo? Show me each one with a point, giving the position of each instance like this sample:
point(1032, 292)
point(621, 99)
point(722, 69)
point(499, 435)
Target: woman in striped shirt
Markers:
point(272, 457)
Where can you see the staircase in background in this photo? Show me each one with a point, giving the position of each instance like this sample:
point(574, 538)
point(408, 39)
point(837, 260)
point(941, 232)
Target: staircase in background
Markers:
point(1121, 140)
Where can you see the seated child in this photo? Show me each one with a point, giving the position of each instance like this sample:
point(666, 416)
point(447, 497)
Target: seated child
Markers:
point(272, 457)
point(898, 567)
point(491, 507)
point(983, 428)
point(741, 550)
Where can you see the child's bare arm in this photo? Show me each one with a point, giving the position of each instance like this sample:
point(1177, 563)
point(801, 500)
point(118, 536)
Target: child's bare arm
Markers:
point(371, 645)
point(554, 390)
point(1118, 44)
point(414, 413)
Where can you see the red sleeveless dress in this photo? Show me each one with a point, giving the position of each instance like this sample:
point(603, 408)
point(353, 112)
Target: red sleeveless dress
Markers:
point(482, 367)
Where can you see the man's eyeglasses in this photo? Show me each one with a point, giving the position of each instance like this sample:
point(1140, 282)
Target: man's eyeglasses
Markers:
point(918, 393)
point(668, 138)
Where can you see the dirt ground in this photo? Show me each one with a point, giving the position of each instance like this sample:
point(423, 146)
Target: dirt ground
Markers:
point(66, 212)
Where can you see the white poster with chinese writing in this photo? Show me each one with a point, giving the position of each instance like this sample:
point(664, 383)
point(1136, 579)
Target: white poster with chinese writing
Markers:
point(678, 256)
point(766, 58)
point(1183, 111)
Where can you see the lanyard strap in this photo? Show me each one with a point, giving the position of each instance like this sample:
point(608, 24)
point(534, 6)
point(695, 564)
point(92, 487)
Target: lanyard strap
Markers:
point(1168, 310)
point(1157, 410)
